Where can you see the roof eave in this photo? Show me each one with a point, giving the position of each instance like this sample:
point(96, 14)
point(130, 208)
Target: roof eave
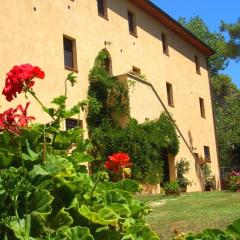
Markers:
point(176, 27)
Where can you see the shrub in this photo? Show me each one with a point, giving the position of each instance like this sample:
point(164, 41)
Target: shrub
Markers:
point(183, 167)
point(172, 188)
point(234, 181)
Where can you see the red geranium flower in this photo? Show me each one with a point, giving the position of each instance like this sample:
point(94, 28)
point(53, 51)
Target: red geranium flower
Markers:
point(117, 162)
point(19, 77)
point(13, 122)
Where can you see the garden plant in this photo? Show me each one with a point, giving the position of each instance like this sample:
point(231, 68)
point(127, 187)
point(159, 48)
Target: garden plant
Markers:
point(45, 190)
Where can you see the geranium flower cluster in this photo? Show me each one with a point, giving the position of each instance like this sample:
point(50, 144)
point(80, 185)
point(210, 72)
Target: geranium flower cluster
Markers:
point(14, 119)
point(117, 162)
point(20, 78)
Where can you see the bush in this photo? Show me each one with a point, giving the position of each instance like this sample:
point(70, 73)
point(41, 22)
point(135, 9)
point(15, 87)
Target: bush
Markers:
point(172, 188)
point(234, 181)
point(183, 167)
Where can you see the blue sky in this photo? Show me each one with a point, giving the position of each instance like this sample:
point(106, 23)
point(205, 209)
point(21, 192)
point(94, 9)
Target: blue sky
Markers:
point(212, 12)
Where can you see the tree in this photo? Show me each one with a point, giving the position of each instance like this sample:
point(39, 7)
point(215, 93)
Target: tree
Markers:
point(232, 48)
point(222, 88)
point(215, 40)
point(228, 132)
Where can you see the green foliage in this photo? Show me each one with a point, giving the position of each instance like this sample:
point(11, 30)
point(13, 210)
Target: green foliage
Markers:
point(228, 132)
point(215, 40)
point(183, 167)
point(172, 188)
point(231, 233)
point(145, 143)
point(232, 48)
point(105, 92)
point(46, 192)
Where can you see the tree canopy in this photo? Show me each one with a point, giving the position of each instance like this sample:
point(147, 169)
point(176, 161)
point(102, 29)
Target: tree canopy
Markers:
point(232, 48)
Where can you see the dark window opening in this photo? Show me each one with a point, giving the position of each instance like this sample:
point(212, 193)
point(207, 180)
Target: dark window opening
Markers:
point(69, 53)
point(102, 8)
point(165, 44)
point(170, 94)
point(73, 123)
point(202, 107)
point(197, 63)
point(132, 23)
point(136, 71)
point(207, 153)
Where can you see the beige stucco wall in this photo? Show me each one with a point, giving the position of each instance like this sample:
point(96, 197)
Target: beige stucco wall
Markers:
point(36, 37)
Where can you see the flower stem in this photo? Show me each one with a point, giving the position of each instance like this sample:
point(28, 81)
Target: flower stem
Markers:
point(38, 100)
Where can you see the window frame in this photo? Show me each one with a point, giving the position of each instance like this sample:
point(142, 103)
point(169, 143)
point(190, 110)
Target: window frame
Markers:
point(202, 107)
point(78, 121)
point(133, 22)
point(74, 67)
point(170, 98)
point(197, 64)
point(165, 47)
point(105, 9)
point(207, 153)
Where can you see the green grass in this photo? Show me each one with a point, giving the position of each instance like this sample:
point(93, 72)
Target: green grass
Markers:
point(192, 212)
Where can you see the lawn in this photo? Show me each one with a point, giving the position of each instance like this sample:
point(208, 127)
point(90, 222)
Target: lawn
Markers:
point(192, 212)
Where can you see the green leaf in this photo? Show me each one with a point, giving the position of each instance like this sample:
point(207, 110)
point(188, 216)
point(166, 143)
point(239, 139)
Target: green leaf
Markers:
point(234, 229)
point(105, 216)
point(60, 219)
point(31, 156)
point(129, 185)
point(59, 100)
point(40, 202)
point(121, 209)
point(82, 157)
point(74, 233)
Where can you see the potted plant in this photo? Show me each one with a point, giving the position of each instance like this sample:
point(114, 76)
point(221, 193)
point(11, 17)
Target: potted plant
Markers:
point(209, 179)
point(183, 167)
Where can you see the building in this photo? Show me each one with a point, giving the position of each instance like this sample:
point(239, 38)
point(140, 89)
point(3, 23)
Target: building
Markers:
point(62, 36)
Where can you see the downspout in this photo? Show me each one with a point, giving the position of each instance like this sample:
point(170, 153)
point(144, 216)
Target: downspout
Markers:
point(165, 109)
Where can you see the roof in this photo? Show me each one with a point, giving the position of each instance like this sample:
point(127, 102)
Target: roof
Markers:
point(157, 13)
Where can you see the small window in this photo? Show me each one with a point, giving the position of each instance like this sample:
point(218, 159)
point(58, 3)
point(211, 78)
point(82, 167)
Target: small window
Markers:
point(207, 153)
point(136, 71)
point(165, 44)
point(70, 55)
point(102, 8)
point(73, 123)
point(197, 63)
point(132, 23)
point(202, 107)
point(170, 94)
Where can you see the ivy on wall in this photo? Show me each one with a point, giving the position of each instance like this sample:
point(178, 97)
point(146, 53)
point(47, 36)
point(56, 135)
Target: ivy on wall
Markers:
point(146, 143)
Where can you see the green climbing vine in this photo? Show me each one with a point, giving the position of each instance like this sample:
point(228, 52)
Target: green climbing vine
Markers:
point(146, 143)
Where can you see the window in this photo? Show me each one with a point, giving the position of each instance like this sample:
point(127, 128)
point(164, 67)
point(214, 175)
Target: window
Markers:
point(72, 123)
point(197, 63)
point(70, 55)
point(102, 8)
point(165, 44)
point(202, 107)
point(136, 71)
point(207, 154)
point(132, 23)
point(170, 94)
